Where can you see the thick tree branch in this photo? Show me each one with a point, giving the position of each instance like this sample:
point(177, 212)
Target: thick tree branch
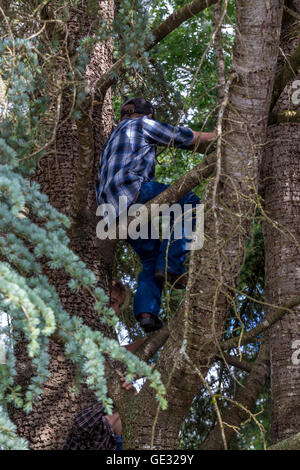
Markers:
point(234, 361)
point(159, 33)
point(171, 195)
point(284, 116)
point(219, 53)
point(100, 87)
point(292, 443)
point(288, 71)
point(251, 335)
point(153, 343)
point(244, 400)
point(177, 18)
point(187, 182)
point(292, 12)
point(84, 170)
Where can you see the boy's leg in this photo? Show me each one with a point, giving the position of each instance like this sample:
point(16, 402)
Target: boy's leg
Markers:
point(147, 299)
point(153, 256)
point(173, 250)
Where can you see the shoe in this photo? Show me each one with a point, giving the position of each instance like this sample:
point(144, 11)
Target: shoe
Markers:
point(149, 322)
point(178, 281)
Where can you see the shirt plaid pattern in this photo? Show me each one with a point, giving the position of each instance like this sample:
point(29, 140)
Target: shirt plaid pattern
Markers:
point(91, 431)
point(129, 155)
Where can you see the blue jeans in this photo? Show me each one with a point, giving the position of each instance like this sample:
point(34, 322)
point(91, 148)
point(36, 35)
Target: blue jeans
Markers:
point(152, 253)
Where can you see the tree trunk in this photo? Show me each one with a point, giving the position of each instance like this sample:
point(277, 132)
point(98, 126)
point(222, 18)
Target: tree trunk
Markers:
point(230, 204)
point(196, 329)
point(281, 180)
point(47, 425)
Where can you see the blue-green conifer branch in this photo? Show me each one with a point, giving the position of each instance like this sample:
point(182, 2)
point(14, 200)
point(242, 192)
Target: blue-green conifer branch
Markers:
point(31, 229)
point(35, 307)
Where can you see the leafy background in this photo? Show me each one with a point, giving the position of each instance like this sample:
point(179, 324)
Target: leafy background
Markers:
point(182, 94)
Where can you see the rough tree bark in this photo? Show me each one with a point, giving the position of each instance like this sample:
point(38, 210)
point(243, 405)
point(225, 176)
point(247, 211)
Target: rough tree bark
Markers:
point(292, 443)
point(64, 174)
point(281, 178)
point(196, 328)
point(231, 194)
point(47, 425)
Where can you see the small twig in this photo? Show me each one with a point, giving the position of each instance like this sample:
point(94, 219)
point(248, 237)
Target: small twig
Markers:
point(292, 12)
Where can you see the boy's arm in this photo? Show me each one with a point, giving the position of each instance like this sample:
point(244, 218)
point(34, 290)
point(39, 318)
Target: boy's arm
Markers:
point(202, 140)
point(200, 137)
point(185, 138)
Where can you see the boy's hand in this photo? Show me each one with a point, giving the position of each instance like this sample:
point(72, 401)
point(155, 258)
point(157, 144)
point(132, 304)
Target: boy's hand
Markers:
point(202, 141)
point(128, 386)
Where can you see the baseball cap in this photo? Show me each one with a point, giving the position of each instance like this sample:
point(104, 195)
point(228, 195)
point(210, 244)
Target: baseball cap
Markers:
point(140, 106)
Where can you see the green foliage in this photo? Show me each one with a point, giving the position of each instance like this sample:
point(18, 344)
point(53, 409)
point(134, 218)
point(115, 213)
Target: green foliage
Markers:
point(201, 418)
point(132, 30)
point(34, 305)
point(248, 312)
point(250, 437)
point(21, 74)
point(9, 439)
point(168, 82)
point(183, 93)
point(31, 230)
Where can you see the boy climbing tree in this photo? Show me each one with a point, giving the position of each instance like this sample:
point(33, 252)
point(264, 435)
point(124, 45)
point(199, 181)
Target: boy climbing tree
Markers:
point(127, 169)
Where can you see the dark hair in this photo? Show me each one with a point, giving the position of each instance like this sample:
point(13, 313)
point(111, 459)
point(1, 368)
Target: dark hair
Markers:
point(117, 284)
point(141, 106)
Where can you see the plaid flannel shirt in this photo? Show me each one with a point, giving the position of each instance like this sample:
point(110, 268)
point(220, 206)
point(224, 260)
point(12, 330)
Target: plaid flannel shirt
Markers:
point(91, 431)
point(129, 156)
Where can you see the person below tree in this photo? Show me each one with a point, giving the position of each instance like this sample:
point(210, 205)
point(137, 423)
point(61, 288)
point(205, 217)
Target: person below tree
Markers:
point(127, 168)
point(93, 428)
